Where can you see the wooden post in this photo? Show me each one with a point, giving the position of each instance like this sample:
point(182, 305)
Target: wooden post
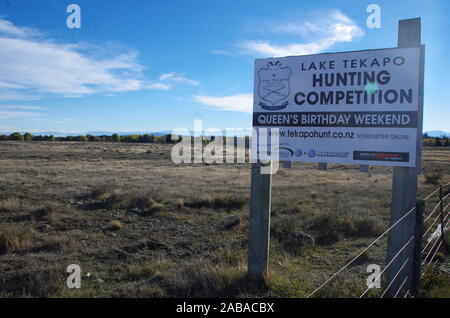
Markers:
point(364, 168)
point(323, 166)
point(287, 164)
point(404, 183)
point(259, 231)
point(417, 260)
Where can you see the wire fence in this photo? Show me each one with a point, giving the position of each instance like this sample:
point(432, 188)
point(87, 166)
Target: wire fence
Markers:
point(421, 259)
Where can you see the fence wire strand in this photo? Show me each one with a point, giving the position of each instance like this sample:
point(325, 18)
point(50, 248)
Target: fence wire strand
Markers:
point(431, 194)
point(398, 253)
point(401, 286)
point(362, 252)
point(393, 279)
point(432, 212)
point(387, 266)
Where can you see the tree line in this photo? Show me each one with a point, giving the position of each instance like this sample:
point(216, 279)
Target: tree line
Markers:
point(428, 141)
point(145, 138)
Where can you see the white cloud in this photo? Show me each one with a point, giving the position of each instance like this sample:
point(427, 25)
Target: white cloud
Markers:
point(31, 67)
point(238, 103)
point(173, 76)
point(6, 114)
point(160, 86)
point(21, 107)
point(322, 33)
point(9, 29)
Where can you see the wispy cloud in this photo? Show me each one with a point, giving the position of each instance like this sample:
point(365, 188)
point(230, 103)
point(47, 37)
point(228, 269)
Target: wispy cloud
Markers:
point(33, 67)
point(7, 114)
point(9, 29)
point(176, 77)
point(160, 86)
point(21, 107)
point(319, 34)
point(238, 103)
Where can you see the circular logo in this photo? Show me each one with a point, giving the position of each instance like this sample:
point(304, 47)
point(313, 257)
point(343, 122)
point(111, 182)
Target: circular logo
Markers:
point(312, 153)
point(299, 152)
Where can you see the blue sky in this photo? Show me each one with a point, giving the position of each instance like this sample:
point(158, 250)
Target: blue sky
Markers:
point(156, 65)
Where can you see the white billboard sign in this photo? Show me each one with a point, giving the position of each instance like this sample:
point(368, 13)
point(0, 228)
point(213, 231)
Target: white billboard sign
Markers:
point(357, 107)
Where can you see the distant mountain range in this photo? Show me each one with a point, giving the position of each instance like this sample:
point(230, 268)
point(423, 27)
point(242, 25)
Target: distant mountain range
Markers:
point(437, 133)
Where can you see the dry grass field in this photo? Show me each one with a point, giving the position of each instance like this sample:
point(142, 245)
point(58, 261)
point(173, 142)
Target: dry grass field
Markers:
point(141, 226)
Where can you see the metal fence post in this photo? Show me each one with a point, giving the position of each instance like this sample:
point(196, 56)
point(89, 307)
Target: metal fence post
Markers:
point(417, 254)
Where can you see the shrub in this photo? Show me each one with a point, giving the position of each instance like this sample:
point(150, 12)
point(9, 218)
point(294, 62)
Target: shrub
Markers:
point(348, 226)
point(433, 179)
point(27, 136)
point(434, 283)
point(327, 228)
point(115, 137)
point(148, 138)
point(16, 136)
point(367, 228)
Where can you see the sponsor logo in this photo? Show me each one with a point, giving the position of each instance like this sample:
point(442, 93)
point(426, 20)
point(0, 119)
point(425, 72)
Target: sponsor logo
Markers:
point(285, 152)
point(299, 153)
point(312, 153)
point(381, 156)
point(333, 154)
point(273, 86)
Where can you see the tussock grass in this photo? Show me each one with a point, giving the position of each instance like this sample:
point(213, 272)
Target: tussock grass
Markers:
point(329, 228)
point(434, 283)
point(219, 203)
point(433, 179)
point(13, 206)
point(115, 225)
point(36, 280)
point(13, 239)
point(49, 212)
point(149, 270)
point(117, 199)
